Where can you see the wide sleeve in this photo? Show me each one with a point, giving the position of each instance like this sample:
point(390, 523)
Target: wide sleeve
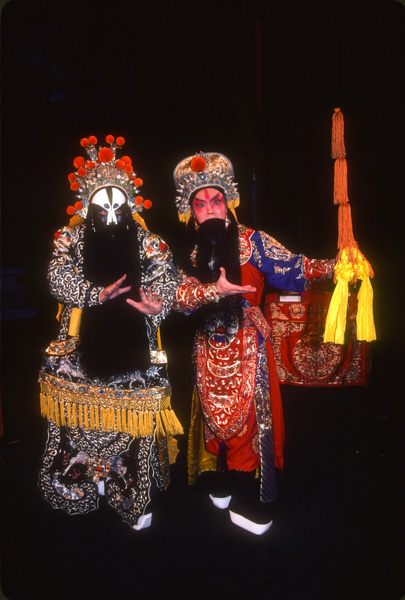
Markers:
point(159, 273)
point(191, 294)
point(65, 273)
point(281, 268)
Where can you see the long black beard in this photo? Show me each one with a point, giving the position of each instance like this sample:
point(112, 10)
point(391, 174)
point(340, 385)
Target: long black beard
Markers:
point(217, 246)
point(113, 335)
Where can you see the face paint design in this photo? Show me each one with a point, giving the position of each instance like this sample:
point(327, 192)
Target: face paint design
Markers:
point(109, 206)
point(208, 203)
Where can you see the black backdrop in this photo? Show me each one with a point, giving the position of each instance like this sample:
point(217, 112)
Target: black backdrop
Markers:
point(257, 81)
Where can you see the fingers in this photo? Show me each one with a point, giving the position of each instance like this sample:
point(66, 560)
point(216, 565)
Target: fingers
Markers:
point(132, 303)
point(149, 297)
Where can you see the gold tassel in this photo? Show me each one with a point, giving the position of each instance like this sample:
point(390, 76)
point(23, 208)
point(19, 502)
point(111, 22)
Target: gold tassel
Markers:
point(86, 418)
point(42, 398)
point(62, 413)
point(141, 427)
point(176, 425)
point(150, 422)
point(124, 420)
point(165, 421)
point(159, 426)
point(96, 418)
point(57, 415)
point(74, 414)
point(118, 417)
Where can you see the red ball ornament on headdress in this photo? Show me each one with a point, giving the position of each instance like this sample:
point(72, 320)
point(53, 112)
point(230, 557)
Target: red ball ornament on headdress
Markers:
point(92, 140)
point(74, 186)
point(84, 142)
point(82, 172)
point(147, 204)
point(105, 154)
point(70, 210)
point(79, 162)
point(198, 164)
point(56, 235)
point(109, 139)
point(126, 160)
point(128, 168)
point(120, 141)
point(139, 200)
point(72, 177)
point(138, 182)
point(119, 164)
point(90, 165)
point(78, 205)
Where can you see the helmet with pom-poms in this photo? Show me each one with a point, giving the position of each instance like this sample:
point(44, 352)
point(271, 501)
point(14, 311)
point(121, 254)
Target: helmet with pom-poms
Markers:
point(104, 168)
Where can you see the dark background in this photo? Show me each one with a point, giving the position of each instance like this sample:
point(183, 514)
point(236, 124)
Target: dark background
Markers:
point(257, 81)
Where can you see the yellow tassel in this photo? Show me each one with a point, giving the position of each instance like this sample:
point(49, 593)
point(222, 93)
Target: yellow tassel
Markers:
point(96, 418)
point(86, 417)
point(335, 324)
point(365, 319)
point(118, 416)
point(92, 419)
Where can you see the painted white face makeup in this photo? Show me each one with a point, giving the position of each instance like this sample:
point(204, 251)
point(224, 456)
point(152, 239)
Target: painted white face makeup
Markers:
point(110, 203)
point(208, 203)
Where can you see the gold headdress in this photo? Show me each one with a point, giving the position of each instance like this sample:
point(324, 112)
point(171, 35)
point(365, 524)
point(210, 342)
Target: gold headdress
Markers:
point(204, 169)
point(102, 169)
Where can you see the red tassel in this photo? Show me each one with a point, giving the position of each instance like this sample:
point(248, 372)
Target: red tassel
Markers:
point(345, 227)
point(340, 195)
point(338, 143)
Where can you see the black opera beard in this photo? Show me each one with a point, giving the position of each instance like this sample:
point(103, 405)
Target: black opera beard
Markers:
point(113, 335)
point(217, 246)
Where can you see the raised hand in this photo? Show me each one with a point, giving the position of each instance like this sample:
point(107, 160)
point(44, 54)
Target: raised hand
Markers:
point(225, 288)
point(114, 290)
point(150, 304)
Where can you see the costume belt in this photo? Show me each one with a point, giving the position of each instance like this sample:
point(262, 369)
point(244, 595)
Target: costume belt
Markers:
point(137, 412)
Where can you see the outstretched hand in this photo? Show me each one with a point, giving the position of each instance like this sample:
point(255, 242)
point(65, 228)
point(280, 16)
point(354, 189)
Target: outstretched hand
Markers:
point(114, 290)
point(150, 304)
point(226, 288)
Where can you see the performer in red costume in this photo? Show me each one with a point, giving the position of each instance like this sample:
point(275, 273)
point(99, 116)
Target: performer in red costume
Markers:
point(237, 425)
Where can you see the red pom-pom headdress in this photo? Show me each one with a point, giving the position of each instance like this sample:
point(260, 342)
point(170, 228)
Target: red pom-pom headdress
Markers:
point(101, 170)
point(204, 169)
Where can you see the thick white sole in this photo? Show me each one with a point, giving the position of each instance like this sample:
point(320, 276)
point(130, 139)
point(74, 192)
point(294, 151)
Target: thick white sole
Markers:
point(256, 528)
point(220, 502)
point(144, 521)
